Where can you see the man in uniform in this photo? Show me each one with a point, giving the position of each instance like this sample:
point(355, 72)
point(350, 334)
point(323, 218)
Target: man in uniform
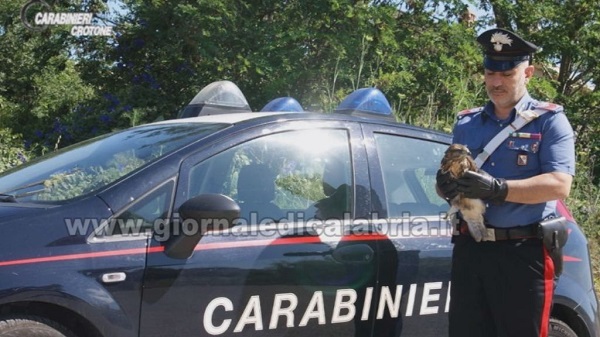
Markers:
point(504, 287)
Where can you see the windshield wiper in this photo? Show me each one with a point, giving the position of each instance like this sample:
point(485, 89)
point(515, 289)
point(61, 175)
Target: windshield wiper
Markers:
point(11, 196)
point(7, 198)
point(35, 183)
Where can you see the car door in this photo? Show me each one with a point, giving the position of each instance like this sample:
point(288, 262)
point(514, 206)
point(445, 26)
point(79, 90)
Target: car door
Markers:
point(416, 259)
point(294, 265)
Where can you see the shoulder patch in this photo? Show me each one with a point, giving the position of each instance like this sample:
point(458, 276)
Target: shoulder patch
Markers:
point(464, 113)
point(551, 107)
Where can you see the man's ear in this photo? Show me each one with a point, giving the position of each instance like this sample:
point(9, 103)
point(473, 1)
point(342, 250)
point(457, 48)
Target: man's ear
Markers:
point(529, 70)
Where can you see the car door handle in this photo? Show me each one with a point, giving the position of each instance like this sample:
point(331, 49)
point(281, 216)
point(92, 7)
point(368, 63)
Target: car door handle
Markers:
point(354, 253)
point(321, 253)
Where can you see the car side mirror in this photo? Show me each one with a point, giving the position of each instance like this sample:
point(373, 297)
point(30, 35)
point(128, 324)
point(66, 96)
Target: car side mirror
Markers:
point(205, 212)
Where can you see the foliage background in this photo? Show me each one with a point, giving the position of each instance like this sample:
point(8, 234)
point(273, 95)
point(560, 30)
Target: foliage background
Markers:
point(57, 89)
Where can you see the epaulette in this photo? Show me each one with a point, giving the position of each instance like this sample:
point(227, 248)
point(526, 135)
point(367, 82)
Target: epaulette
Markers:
point(463, 113)
point(551, 107)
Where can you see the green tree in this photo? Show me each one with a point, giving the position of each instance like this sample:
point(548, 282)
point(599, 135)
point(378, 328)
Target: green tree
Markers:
point(569, 32)
point(41, 88)
point(317, 51)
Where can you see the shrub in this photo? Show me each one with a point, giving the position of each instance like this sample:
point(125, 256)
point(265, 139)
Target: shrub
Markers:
point(12, 150)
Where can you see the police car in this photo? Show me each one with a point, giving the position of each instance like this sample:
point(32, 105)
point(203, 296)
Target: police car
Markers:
point(239, 223)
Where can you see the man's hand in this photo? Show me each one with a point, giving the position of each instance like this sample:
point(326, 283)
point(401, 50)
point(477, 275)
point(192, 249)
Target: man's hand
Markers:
point(481, 185)
point(447, 185)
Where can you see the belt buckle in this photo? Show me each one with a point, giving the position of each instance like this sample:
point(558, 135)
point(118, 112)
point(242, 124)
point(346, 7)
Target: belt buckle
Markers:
point(462, 228)
point(490, 235)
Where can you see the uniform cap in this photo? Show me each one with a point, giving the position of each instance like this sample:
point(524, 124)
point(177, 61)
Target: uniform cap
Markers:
point(504, 50)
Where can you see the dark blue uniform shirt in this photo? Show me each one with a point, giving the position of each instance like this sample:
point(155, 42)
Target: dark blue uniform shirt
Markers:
point(544, 145)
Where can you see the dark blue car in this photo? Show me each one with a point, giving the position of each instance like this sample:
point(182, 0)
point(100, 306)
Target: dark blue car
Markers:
point(243, 224)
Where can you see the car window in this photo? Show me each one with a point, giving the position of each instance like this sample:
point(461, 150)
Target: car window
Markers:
point(151, 212)
point(294, 175)
point(88, 166)
point(409, 167)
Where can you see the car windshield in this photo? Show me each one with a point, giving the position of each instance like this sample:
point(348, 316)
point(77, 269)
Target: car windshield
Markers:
point(90, 165)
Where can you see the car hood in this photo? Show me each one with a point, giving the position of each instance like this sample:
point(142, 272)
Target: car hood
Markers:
point(16, 209)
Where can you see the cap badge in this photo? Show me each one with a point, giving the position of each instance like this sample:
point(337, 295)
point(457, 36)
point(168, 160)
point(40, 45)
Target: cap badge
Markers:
point(499, 40)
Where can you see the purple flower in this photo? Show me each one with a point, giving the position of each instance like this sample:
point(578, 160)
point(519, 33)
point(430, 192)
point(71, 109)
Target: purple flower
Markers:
point(138, 43)
point(105, 118)
point(22, 157)
point(147, 77)
point(112, 98)
point(58, 127)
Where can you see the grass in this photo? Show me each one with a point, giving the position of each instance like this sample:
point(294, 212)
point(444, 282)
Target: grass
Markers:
point(584, 203)
point(595, 257)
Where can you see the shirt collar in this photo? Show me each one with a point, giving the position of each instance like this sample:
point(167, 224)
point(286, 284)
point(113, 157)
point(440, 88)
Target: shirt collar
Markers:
point(524, 103)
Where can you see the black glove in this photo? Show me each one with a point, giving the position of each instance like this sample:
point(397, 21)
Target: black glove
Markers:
point(481, 185)
point(447, 185)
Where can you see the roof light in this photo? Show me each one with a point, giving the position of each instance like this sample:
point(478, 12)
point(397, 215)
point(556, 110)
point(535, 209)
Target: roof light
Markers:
point(216, 98)
point(283, 104)
point(368, 102)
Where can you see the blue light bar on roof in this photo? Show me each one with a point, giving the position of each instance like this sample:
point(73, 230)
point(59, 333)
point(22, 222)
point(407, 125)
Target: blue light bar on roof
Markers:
point(368, 102)
point(216, 98)
point(283, 104)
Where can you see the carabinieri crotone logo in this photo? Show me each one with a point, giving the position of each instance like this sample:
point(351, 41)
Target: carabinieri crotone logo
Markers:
point(38, 15)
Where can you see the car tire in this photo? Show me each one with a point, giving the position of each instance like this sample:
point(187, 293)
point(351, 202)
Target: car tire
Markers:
point(31, 326)
point(559, 328)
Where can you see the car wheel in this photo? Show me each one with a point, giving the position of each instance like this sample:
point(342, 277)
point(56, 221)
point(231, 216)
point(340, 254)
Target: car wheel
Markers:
point(31, 326)
point(559, 328)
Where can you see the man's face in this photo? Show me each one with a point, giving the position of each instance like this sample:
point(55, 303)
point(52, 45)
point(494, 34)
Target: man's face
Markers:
point(506, 88)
